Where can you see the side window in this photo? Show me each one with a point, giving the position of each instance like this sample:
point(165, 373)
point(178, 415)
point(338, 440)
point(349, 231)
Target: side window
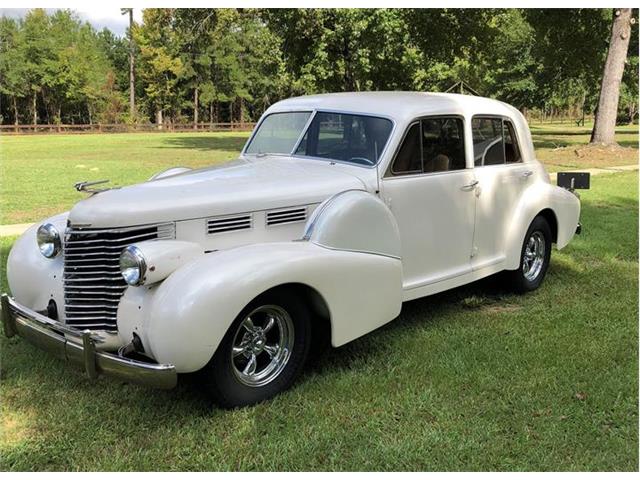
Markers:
point(442, 144)
point(431, 145)
point(511, 149)
point(408, 159)
point(488, 147)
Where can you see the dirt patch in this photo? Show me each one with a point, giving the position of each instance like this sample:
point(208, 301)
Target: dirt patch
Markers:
point(488, 305)
point(500, 308)
point(602, 151)
point(16, 427)
point(583, 157)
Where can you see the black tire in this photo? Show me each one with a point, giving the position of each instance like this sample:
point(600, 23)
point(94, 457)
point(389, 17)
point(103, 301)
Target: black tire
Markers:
point(222, 375)
point(520, 280)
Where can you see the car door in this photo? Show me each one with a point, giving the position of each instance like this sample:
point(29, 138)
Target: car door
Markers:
point(502, 177)
point(431, 193)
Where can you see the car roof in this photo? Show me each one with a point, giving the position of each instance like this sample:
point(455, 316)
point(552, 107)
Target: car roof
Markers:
point(400, 106)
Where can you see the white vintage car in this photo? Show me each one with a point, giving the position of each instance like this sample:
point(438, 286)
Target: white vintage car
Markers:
point(340, 208)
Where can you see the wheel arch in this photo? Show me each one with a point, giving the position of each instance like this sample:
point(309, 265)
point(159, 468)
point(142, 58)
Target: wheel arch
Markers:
point(549, 215)
point(317, 305)
point(557, 206)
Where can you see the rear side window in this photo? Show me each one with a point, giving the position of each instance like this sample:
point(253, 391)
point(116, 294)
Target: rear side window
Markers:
point(431, 145)
point(488, 145)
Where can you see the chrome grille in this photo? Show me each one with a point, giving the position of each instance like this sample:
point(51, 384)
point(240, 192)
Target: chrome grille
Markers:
point(92, 281)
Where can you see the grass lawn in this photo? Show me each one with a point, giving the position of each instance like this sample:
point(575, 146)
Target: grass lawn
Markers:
point(560, 147)
point(472, 379)
point(37, 172)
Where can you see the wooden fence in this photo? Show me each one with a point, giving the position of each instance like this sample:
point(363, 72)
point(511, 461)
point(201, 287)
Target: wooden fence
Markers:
point(125, 128)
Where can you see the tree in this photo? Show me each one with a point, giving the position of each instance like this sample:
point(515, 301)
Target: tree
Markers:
point(13, 75)
point(345, 49)
point(37, 50)
point(194, 28)
point(160, 67)
point(570, 47)
point(606, 114)
point(132, 61)
point(512, 69)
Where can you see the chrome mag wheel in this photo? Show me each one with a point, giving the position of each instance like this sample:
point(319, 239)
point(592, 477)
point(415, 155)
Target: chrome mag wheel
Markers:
point(533, 256)
point(262, 345)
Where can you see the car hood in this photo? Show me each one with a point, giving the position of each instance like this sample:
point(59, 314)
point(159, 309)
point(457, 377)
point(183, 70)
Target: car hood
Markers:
point(243, 185)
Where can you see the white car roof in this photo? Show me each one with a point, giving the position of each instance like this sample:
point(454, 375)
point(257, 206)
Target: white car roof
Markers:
point(400, 106)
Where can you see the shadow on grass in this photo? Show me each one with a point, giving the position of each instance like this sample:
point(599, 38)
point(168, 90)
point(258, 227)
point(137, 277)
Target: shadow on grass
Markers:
point(230, 142)
point(553, 144)
point(426, 311)
point(558, 143)
point(574, 132)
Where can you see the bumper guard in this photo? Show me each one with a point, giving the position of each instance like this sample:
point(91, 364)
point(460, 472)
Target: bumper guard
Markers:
point(79, 347)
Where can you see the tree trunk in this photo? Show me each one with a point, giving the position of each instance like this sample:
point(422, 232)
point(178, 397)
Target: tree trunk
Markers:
point(159, 118)
point(605, 122)
point(240, 109)
point(195, 109)
point(132, 75)
point(632, 112)
point(15, 112)
point(34, 105)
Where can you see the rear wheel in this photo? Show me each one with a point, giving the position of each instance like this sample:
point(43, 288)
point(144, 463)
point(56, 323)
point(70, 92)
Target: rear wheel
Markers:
point(262, 353)
point(534, 257)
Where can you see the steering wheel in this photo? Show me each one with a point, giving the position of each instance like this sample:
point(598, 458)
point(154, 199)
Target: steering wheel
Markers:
point(362, 160)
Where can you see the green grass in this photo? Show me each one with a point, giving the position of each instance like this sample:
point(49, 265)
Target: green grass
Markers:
point(561, 147)
point(37, 172)
point(471, 379)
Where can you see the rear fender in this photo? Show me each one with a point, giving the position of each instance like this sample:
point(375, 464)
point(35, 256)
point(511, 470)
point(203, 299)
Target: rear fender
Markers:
point(538, 197)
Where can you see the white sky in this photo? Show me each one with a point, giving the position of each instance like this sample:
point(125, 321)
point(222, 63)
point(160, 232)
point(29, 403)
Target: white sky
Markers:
point(110, 17)
point(97, 16)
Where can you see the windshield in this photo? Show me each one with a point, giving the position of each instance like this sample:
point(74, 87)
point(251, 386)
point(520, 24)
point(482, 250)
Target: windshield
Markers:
point(352, 138)
point(278, 133)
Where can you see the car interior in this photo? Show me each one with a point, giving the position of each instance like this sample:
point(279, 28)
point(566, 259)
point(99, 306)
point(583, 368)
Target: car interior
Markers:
point(349, 138)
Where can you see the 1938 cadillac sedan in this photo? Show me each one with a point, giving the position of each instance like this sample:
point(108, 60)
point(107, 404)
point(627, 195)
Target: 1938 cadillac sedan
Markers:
point(340, 208)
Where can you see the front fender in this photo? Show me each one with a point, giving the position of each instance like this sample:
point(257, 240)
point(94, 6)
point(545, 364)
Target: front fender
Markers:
point(185, 317)
point(34, 279)
point(538, 197)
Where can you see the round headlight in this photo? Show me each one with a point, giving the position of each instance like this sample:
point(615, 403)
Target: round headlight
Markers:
point(49, 241)
point(132, 265)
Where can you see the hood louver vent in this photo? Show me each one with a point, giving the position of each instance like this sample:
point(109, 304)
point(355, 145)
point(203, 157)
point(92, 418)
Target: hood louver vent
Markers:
point(229, 224)
point(290, 215)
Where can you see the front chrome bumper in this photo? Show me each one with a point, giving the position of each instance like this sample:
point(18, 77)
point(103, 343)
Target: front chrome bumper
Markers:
point(79, 347)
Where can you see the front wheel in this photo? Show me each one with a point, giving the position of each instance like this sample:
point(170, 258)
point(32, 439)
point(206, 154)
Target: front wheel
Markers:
point(534, 257)
point(262, 353)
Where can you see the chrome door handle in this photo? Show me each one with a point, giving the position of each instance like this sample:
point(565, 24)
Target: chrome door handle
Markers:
point(527, 174)
point(471, 185)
